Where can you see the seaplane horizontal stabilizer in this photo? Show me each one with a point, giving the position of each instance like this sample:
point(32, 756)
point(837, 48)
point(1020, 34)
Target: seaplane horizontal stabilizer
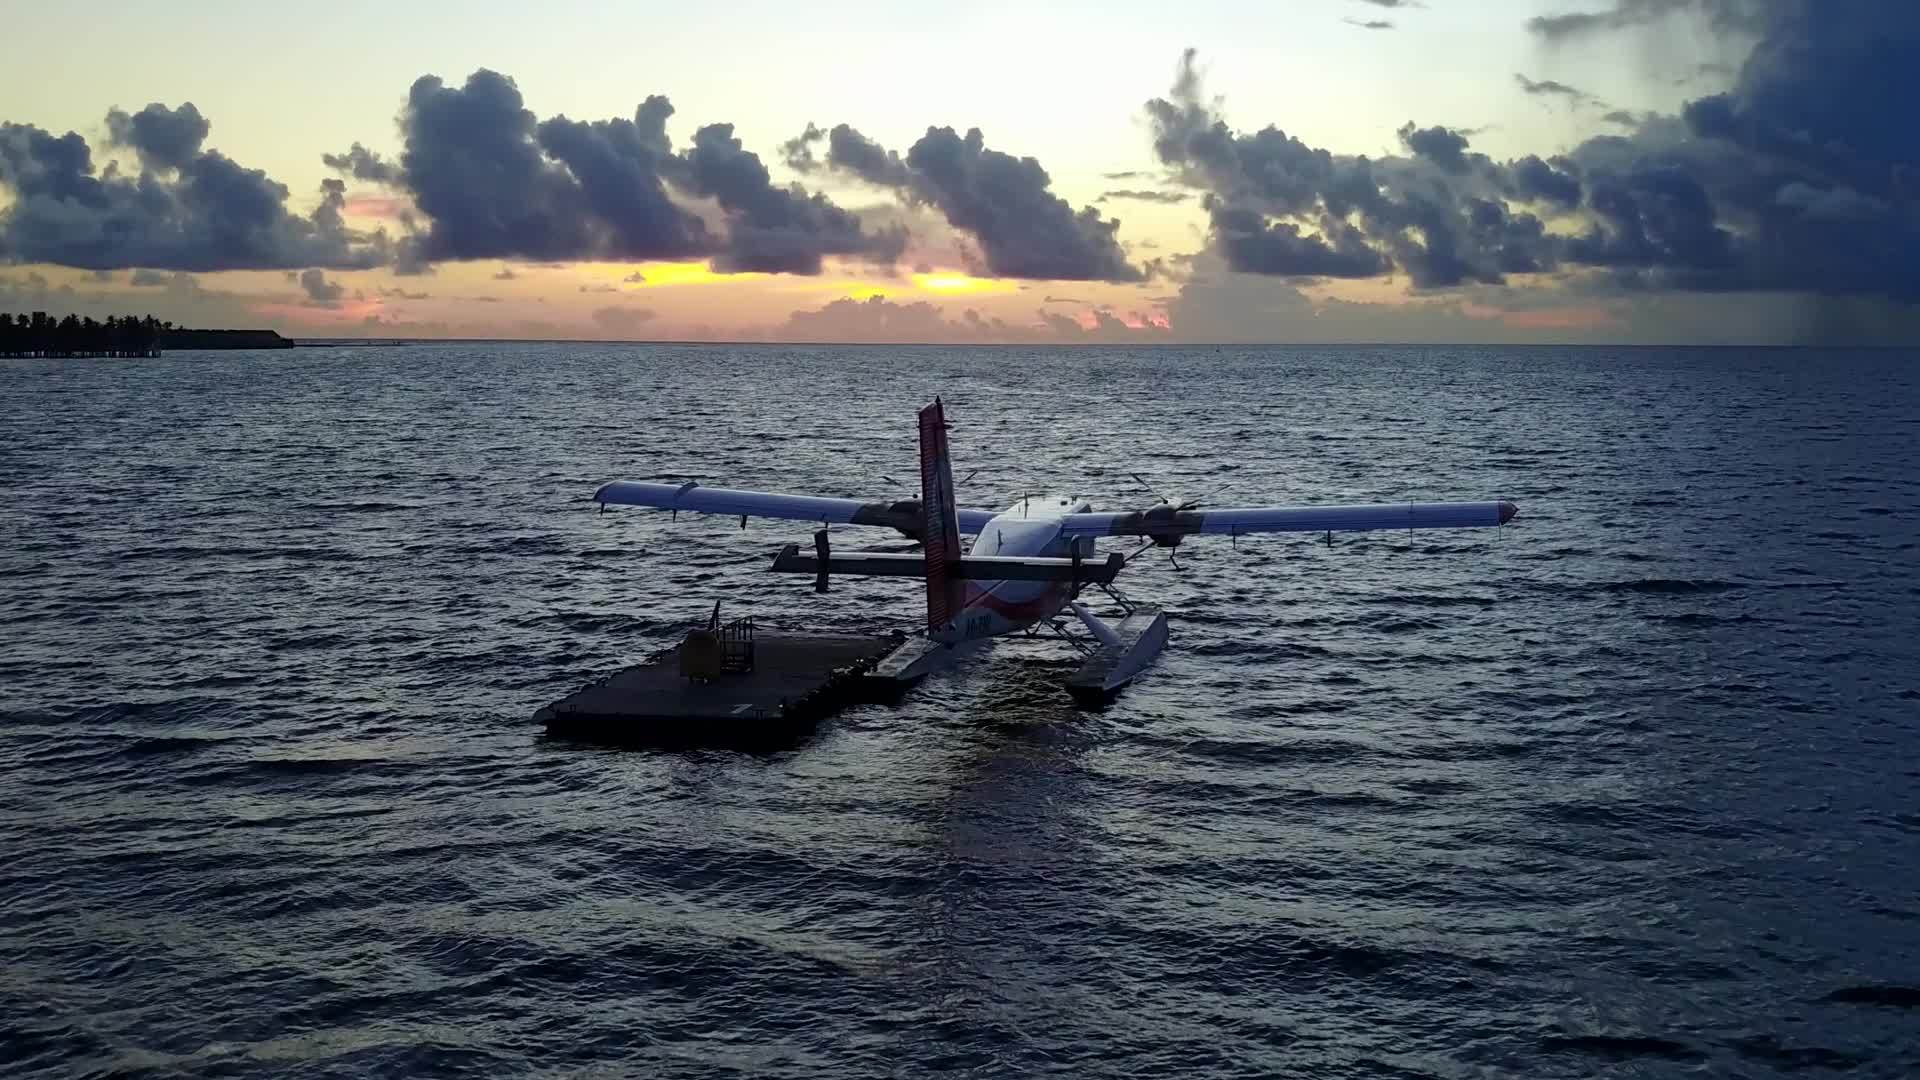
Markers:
point(968, 568)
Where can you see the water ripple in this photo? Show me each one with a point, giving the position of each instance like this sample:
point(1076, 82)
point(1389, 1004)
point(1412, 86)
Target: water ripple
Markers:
point(1621, 790)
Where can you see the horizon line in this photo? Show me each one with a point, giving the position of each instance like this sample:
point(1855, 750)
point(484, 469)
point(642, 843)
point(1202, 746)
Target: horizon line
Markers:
point(369, 342)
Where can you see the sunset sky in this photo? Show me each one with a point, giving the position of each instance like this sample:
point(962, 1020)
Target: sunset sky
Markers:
point(1709, 171)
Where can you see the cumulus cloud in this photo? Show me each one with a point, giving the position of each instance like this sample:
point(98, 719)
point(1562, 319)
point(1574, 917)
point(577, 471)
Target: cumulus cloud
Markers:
point(848, 151)
point(873, 319)
point(362, 164)
point(476, 165)
point(492, 181)
point(483, 178)
point(321, 292)
point(775, 229)
point(187, 208)
point(1005, 204)
point(1279, 207)
point(1798, 178)
point(1442, 146)
point(622, 320)
point(879, 319)
point(163, 138)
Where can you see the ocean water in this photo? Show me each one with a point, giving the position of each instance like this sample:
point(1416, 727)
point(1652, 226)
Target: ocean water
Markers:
point(1625, 789)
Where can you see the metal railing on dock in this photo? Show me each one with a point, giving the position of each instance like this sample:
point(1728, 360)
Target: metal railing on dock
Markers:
point(718, 649)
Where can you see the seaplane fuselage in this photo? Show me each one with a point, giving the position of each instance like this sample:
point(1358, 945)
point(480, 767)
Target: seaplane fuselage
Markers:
point(1030, 528)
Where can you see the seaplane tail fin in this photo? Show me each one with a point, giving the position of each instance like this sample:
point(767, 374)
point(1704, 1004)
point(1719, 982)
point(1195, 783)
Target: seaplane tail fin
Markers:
point(940, 533)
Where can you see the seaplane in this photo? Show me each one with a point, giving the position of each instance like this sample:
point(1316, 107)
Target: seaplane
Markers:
point(1027, 564)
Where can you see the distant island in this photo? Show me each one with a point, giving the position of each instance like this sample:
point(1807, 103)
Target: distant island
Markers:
point(223, 339)
point(43, 335)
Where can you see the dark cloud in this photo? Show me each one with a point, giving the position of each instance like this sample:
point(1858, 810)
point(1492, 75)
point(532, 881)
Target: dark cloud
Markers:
point(797, 152)
point(187, 209)
point(779, 230)
point(1442, 146)
point(1736, 15)
point(635, 278)
point(1369, 24)
point(1800, 178)
point(1280, 207)
point(494, 183)
point(1005, 203)
point(1535, 180)
point(321, 292)
point(473, 167)
point(505, 274)
point(850, 152)
point(363, 164)
point(1394, 3)
point(1551, 88)
point(163, 138)
point(619, 169)
point(1254, 245)
point(1146, 196)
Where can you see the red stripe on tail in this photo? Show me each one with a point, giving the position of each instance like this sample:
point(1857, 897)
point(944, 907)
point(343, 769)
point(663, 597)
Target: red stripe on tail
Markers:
point(940, 531)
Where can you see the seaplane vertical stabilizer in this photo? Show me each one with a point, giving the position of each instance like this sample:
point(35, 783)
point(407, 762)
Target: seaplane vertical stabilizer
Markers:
point(940, 532)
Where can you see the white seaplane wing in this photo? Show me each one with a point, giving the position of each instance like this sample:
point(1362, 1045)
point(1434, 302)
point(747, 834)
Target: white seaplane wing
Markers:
point(1166, 522)
point(902, 514)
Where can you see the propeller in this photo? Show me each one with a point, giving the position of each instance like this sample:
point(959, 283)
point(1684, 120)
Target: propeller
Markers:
point(1176, 504)
point(909, 548)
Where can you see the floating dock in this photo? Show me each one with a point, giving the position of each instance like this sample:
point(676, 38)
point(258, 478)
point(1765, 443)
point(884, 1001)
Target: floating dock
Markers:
point(789, 684)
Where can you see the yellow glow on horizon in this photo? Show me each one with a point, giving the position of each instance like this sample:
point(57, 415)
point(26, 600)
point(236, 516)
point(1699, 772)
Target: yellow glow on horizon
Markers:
point(950, 282)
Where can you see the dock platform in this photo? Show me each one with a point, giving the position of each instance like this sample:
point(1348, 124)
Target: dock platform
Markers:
point(796, 680)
